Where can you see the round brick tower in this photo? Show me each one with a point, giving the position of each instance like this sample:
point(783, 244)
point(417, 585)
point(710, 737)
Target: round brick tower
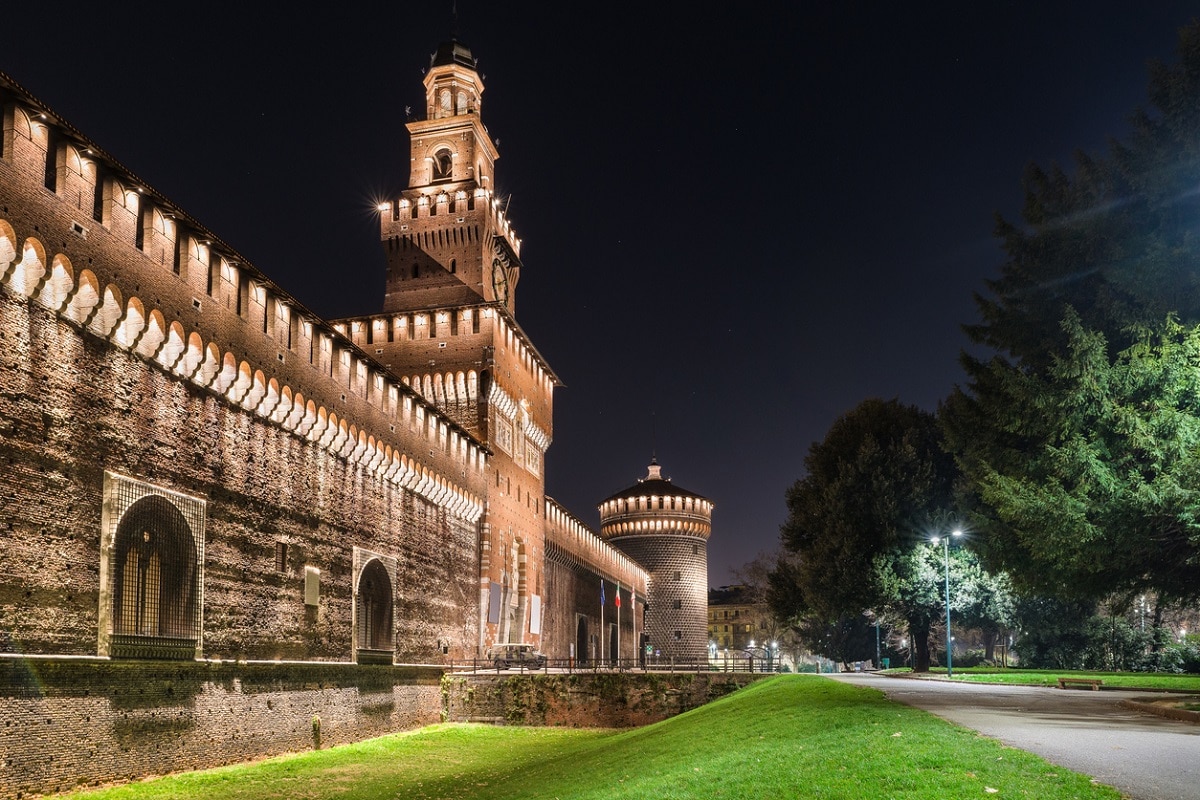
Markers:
point(665, 529)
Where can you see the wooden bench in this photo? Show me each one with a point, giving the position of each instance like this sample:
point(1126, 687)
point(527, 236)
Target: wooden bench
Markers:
point(1063, 683)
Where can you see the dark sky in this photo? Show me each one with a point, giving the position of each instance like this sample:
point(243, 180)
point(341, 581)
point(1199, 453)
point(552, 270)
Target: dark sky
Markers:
point(737, 223)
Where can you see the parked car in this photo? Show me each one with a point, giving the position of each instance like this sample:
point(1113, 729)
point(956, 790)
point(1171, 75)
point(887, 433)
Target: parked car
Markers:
point(516, 654)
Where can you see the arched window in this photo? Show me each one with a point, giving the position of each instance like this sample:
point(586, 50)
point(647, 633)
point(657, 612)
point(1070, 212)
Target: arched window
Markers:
point(443, 165)
point(155, 608)
point(373, 614)
point(462, 103)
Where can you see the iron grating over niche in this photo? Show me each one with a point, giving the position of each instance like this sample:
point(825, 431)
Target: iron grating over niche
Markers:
point(374, 604)
point(152, 571)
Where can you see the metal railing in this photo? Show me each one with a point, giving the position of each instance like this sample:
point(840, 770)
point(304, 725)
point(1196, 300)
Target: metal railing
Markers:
point(574, 665)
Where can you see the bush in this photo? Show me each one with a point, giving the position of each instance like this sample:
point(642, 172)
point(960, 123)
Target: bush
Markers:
point(1174, 657)
point(971, 658)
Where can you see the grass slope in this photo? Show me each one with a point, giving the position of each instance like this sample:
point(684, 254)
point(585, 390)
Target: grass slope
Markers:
point(790, 736)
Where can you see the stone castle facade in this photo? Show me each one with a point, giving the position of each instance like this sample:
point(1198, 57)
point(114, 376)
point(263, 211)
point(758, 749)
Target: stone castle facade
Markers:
point(194, 465)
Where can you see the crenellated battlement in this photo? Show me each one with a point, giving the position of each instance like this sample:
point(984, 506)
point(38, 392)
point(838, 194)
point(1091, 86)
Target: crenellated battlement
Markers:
point(160, 285)
point(432, 338)
point(655, 514)
point(570, 540)
point(456, 206)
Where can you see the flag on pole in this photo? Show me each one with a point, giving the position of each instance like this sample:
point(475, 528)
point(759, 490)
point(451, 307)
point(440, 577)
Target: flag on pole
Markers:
point(602, 591)
point(617, 600)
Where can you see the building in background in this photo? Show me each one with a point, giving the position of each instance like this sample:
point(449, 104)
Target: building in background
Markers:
point(735, 618)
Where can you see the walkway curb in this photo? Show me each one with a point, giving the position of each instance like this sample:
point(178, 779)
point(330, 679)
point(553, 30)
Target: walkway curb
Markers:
point(1180, 714)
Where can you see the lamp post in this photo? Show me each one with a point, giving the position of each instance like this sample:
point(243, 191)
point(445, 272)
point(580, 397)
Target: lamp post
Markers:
point(945, 540)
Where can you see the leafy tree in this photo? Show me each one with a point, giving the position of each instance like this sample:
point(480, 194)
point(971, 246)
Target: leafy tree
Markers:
point(844, 637)
point(985, 601)
point(1057, 634)
point(854, 519)
point(1083, 634)
point(1076, 435)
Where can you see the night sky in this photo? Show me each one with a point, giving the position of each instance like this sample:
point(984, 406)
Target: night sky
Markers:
point(736, 225)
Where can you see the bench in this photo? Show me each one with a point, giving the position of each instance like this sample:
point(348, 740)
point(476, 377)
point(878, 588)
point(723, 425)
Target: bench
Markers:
point(1063, 683)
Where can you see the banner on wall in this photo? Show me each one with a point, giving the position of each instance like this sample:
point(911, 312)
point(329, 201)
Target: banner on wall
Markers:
point(494, 604)
point(535, 614)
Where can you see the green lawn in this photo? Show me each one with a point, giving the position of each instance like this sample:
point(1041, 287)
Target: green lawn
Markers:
point(789, 736)
point(1028, 677)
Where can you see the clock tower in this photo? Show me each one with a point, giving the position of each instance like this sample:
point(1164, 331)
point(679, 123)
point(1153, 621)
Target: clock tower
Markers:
point(447, 239)
point(448, 329)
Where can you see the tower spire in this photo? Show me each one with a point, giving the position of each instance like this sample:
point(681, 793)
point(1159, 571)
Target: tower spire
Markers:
point(653, 440)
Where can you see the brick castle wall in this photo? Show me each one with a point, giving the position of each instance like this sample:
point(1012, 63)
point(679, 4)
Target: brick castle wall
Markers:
point(73, 407)
point(572, 593)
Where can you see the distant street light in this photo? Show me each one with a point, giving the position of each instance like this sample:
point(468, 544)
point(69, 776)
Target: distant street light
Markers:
point(945, 540)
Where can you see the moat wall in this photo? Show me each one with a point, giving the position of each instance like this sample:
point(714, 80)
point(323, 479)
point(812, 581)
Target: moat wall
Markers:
point(77, 722)
point(584, 699)
point(80, 722)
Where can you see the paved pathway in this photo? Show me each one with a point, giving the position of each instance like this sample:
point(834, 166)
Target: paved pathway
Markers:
point(1145, 756)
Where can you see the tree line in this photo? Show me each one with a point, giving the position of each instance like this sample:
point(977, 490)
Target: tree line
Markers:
point(1070, 458)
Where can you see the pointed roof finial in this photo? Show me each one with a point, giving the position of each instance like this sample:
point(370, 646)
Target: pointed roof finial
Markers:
point(654, 471)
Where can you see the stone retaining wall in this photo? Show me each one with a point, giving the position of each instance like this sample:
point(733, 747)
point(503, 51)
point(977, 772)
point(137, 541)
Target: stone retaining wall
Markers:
point(78, 722)
point(584, 699)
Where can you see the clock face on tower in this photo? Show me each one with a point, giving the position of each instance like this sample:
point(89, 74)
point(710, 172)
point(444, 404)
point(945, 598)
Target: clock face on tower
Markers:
point(500, 281)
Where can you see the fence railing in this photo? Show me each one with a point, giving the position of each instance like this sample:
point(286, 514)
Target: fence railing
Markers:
point(573, 665)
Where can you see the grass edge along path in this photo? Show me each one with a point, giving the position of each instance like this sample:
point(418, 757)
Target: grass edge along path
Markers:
point(788, 736)
point(1156, 681)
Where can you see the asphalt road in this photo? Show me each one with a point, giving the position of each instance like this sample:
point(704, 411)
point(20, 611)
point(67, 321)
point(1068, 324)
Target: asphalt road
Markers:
point(1142, 755)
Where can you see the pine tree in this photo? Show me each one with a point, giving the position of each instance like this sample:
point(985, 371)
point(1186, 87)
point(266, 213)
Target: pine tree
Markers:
point(1076, 436)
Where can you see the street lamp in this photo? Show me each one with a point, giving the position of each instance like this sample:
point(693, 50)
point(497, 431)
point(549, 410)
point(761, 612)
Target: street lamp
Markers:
point(877, 654)
point(945, 540)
